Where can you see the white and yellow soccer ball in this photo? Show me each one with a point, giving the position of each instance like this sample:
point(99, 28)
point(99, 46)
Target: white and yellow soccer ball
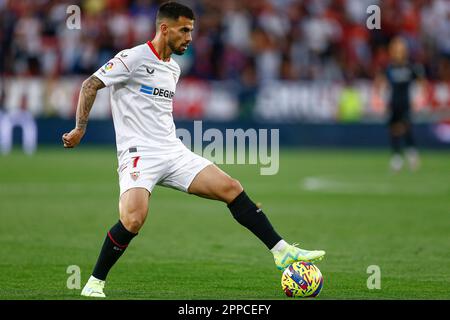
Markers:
point(301, 280)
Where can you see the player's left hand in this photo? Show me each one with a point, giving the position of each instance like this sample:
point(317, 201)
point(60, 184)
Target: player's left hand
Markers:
point(73, 138)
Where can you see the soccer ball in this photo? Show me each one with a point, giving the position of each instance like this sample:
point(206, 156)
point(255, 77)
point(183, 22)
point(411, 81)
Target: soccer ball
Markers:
point(301, 280)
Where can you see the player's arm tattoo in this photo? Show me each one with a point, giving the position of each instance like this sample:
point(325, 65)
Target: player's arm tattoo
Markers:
point(86, 100)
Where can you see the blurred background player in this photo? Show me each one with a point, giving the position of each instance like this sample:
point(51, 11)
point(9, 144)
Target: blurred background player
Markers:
point(2, 106)
point(18, 118)
point(21, 118)
point(399, 75)
point(24, 120)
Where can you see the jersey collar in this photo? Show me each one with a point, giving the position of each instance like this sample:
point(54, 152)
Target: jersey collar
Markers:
point(154, 51)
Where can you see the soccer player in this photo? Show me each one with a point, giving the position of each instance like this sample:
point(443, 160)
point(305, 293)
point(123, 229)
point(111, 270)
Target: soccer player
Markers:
point(142, 84)
point(399, 74)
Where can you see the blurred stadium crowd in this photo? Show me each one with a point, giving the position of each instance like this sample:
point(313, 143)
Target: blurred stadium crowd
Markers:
point(269, 60)
point(274, 61)
point(248, 41)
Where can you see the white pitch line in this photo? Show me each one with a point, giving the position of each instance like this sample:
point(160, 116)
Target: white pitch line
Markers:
point(322, 184)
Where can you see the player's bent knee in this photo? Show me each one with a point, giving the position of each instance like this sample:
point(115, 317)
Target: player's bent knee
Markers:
point(132, 224)
point(133, 208)
point(231, 190)
point(133, 220)
point(236, 186)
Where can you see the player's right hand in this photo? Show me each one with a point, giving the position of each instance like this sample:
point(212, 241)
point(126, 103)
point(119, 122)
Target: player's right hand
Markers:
point(73, 138)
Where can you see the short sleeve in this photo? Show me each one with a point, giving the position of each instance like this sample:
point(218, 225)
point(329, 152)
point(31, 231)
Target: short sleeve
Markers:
point(118, 69)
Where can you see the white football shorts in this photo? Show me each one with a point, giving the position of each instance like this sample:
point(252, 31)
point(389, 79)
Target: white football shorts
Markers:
point(176, 170)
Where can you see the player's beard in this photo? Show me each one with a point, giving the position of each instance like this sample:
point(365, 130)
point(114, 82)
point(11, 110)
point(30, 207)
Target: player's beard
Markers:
point(175, 49)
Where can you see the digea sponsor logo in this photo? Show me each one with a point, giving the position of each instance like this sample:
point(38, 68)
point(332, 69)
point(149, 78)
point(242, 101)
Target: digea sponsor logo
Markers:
point(157, 92)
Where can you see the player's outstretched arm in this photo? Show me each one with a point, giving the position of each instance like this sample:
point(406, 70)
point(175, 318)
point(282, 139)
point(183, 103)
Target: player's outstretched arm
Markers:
point(86, 99)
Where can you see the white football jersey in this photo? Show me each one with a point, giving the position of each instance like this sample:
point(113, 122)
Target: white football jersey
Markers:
point(142, 87)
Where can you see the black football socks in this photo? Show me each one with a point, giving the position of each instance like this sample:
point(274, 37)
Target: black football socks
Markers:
point(115, 243)
point(250, 216)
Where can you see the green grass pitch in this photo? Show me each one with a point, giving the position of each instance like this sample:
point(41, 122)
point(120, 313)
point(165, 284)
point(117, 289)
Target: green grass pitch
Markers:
point(56, 207)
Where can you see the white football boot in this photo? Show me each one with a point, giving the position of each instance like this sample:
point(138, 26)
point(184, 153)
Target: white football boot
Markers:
point(94, 288)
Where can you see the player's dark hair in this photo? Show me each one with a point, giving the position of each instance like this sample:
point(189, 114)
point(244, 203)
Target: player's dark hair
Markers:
point(173, 10)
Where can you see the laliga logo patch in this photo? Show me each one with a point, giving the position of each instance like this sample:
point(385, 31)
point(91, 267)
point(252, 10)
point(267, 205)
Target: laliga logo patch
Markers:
point(109, 66)
point(134, 175)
